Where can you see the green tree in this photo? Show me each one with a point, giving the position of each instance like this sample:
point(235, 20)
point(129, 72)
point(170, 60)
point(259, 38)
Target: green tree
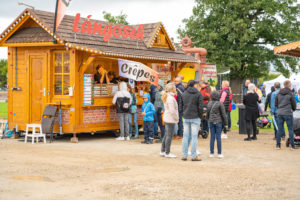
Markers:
point(119, 19)
point(240, 34)
point(3, 72)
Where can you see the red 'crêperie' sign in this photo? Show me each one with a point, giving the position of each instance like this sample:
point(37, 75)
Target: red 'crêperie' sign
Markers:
point(90, 27)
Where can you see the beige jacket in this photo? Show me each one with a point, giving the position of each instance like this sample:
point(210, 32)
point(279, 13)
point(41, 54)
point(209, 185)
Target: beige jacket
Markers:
point(171, 109)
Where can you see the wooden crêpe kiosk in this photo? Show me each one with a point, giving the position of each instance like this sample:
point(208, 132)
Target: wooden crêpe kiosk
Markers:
point(41, 72)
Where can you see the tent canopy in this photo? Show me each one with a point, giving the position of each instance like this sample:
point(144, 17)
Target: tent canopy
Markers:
point(294, 78)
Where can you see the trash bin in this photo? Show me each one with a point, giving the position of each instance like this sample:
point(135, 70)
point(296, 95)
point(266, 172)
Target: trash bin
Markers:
point(242, 120)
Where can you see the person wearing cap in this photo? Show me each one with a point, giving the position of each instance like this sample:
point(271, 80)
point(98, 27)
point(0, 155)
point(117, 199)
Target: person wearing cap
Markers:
point(159, 108)
point(191, 107)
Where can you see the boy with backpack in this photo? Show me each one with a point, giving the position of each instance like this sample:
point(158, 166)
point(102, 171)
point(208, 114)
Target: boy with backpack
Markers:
point(122, 100)
point(148, 111)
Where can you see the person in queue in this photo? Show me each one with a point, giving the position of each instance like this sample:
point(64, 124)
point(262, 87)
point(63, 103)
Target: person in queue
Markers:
point(217, 119)
point(286, 105)
point(205, 91)
point(101, 75)
point(247, 82)
point(274, 110)
point(171, 118)
point(122, 100)
point(250, 101)
point(268, 99)
point(180, 91)
point(148, 112)
point(152, 93)
point(192, 108)
point(133, 113)
point(159, 109)
point(225, 99)
point(112, 77)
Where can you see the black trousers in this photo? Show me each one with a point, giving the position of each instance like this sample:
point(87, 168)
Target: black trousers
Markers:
point(250, 123)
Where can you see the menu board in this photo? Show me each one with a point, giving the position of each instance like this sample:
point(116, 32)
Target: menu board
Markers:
point(105, 90)
point(164, 71)
point(88, 93)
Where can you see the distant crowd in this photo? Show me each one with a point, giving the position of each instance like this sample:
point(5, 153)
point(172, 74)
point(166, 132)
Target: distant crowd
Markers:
point(180, 110)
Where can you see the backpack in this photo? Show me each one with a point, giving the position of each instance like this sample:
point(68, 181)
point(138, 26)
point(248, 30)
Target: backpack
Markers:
point(124, 104)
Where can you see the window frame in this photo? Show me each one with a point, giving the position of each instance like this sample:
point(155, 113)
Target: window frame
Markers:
point(62, 73)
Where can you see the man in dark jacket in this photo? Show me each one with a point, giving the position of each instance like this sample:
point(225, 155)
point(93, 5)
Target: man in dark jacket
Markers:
point(268, 100)
point(286, 104)
point(179, 90)
point(191, 107)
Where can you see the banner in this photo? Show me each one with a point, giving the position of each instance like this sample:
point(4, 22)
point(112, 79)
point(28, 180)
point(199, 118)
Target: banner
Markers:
point(209, 73)
point(137, 71)
point(61, 7)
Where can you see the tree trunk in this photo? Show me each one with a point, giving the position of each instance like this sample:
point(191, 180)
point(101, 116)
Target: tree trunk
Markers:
point(236, 85)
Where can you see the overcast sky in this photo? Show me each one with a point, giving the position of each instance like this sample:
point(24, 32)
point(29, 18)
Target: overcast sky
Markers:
point(170, 12)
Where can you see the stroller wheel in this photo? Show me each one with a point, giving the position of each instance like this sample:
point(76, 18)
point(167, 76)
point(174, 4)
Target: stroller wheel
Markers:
point(287, 144)
point(204, 134)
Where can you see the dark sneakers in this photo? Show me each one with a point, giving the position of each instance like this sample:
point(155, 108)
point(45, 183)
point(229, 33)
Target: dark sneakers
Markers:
point(253, 138)
point(247, 139)
point(144, 142)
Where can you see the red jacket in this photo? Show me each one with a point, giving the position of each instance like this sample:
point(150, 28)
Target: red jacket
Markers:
point(205, 91)
point(230, 105)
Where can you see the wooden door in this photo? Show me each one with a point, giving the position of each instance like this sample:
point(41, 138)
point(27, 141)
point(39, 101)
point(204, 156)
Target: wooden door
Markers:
point(37, 89)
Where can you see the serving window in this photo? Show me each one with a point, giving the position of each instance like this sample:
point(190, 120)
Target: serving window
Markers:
point(61, 73)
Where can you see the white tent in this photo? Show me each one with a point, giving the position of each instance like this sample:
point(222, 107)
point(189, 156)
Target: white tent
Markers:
point(294, 78)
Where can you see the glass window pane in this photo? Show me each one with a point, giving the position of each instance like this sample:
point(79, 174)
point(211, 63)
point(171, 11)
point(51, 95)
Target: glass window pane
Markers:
point(58, 62)
point(66, 62)
point(58, 85)
point(66, 84)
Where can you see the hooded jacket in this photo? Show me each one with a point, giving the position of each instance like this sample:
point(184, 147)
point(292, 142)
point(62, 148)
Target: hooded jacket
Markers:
point(148, 108)
point(158, 103)
point(171, 114)
point(180, 91)
point(216, 110)
point(206, 92)
point(120, 95)
point(285, 102)
point(192, 104)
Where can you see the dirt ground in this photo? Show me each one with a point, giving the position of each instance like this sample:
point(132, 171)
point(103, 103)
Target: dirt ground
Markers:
point(99, 167)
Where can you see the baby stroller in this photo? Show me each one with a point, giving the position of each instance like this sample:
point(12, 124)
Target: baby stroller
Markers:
point(263, 120)
point(296, 128)
point(202, 132)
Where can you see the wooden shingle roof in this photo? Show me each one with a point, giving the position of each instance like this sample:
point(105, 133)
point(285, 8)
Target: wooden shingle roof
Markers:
point(292, 49)
point(94, 43)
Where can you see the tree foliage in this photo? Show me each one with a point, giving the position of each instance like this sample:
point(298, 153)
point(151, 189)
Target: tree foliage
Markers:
point(240, 34)
point(119, 19)
point(3, 72)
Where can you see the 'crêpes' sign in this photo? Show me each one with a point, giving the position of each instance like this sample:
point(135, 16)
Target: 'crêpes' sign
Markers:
point(137, 71)
point(92, 27)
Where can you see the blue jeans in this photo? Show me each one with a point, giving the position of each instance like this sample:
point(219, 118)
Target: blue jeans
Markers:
point(175, 129)
point(229, 119)
point(275, 130)
point(215, 133)
point(191, 129)
point(180, 126)
point(155, 124)
point(289, 122)
point(148, 130)
point(160, 123)
point(134, 115)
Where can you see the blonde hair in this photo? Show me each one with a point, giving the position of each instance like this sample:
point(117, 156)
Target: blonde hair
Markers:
point(225, 83)
point(251, 88)
point(168, 88)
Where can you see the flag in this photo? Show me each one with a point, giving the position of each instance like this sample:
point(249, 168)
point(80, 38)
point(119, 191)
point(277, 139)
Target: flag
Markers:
point(60, 10)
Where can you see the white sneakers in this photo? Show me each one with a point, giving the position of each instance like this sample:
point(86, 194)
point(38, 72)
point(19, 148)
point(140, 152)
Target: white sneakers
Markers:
point(219, 155)
point(163, 154)
point(170, 155)
point(123, 138)
point(224, 136)
point(120, 138)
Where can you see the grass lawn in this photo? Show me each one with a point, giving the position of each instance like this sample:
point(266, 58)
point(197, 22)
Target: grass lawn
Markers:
point(3, 110)
point(234, 120)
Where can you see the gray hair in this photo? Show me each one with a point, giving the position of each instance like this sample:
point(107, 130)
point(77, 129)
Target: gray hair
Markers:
point(251, 88)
